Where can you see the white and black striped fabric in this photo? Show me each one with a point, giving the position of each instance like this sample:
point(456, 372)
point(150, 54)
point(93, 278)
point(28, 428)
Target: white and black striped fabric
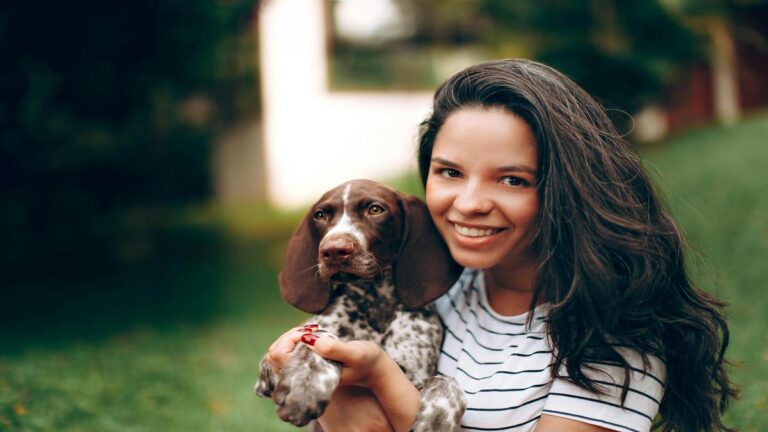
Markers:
point(504, 368)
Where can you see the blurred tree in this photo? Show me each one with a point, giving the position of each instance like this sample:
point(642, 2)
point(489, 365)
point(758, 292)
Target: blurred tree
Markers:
point(725, 24)
point(108, 107)
point(622, 52)
point(625, 53)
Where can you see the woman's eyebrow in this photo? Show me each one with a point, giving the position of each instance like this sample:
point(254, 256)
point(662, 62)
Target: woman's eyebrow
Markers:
point(517, 168)
point(501, 169)
point(445, 162)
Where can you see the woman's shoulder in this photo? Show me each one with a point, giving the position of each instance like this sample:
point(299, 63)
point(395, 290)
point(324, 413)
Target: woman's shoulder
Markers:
point(607, 407)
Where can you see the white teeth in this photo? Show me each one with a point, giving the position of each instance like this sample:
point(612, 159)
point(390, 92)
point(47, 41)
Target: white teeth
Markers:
point(473, 232)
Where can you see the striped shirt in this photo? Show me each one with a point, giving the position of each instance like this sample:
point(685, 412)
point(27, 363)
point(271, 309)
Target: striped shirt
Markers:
point(503, 366)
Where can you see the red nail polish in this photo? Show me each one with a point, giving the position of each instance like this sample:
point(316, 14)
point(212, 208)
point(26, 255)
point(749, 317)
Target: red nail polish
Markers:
point(309, 339)
point(309, 328)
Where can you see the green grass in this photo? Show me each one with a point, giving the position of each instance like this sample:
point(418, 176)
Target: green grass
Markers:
point(176, 346)
point(715, 181)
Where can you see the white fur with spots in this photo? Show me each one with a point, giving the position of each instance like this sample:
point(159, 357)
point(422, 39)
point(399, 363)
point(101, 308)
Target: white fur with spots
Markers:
point(345, 226)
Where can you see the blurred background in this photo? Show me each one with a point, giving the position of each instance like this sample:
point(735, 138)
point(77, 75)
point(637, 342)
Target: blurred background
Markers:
point(156, 155)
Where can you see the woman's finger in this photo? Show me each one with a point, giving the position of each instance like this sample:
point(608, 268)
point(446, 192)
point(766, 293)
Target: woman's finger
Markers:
point(328, 347)
point(282, 349)
point(358, 358)
point(280, 339)
point(351, 353)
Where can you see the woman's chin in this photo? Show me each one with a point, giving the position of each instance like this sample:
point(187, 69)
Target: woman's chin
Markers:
point(474, 261)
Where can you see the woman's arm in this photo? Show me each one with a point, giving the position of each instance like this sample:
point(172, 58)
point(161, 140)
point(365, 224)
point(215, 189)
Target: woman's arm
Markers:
point(550, 423)
point(374, 394)
point(366, 365)
point(354, 409)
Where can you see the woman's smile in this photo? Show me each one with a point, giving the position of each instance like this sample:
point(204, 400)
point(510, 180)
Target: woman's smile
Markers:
point(475, 232)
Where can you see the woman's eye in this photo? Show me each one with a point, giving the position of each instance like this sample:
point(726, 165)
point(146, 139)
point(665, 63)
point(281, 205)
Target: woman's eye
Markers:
point(449, 172)
point(375, 209)
point(515, 181)
point(320, 215)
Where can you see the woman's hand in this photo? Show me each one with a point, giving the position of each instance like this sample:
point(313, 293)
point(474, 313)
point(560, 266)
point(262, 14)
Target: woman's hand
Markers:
point(352, 409)
point(359, 358)
point(372, 385)
point(363, 362)
point(282, 349)
point(366, 365)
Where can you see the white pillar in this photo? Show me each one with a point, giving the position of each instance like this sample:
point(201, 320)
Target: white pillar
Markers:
point(316, 138)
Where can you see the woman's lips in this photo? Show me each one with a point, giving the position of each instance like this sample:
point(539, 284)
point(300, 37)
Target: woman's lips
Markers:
point(474, 232)
point(473, 237)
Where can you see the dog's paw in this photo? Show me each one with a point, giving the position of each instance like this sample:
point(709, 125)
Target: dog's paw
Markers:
point(262, 388)
point(305, 389)
point(442, 406)
point(265, 385)
point(299, 406)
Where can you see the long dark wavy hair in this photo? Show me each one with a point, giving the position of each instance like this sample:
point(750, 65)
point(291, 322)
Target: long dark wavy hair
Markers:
point(611, 257)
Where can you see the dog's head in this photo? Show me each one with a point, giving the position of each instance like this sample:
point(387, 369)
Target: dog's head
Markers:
point(363, 230)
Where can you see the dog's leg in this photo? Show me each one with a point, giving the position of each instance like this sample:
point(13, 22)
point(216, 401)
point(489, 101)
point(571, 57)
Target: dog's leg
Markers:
point(267, 381)
point(265, 385)
point(413, 341)
point(442, 406)
point(305, 386)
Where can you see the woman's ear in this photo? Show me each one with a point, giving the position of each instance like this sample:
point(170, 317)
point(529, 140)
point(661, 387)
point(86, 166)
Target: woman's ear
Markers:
point(300, 284)
point(424, 269)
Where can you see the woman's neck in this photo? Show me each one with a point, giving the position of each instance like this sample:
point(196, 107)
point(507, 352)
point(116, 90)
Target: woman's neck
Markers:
point(510, 289)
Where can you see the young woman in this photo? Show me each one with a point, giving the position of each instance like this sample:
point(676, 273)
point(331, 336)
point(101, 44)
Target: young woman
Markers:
point(575, 311)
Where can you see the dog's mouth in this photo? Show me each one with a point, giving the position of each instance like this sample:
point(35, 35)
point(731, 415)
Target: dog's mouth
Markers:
point(352, 272)
point(344, 277)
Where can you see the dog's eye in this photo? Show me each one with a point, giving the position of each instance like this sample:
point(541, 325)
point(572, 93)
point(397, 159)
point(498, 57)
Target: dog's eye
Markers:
point(375, 209)
point(320, 215)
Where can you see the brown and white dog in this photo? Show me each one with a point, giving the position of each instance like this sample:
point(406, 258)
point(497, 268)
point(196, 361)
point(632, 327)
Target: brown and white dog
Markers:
point(368, 261)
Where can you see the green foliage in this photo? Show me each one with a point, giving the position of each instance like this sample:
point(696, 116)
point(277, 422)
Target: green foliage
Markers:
point(624, 53)
point(110, 107)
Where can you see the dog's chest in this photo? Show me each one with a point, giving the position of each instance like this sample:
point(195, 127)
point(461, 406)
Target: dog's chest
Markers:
point(360, 312)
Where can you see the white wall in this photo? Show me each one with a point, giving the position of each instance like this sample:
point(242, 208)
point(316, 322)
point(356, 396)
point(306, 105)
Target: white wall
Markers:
point(315, 138)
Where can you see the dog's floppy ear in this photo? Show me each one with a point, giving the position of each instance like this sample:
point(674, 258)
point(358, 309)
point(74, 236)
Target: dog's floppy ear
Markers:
point(299, 281)
point(424, 269)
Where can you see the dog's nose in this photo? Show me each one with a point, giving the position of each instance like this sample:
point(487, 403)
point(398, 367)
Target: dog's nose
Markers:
point(337, 250)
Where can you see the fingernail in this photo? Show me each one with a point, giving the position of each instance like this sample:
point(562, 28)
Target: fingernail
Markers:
point(309, 328)
point(309, 339)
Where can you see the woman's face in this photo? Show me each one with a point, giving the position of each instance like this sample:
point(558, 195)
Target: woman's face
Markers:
point(481, 187)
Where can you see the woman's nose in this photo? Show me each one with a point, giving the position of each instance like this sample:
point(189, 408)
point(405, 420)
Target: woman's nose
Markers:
point(472, 199)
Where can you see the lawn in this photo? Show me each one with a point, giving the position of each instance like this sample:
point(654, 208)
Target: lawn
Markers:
point(715, 181)
point(175, 345)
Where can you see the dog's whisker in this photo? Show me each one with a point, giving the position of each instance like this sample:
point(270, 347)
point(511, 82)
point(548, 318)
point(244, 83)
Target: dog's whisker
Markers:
point(315, 267)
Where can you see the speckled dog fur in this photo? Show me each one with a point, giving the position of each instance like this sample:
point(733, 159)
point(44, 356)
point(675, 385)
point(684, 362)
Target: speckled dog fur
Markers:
point(367, 260)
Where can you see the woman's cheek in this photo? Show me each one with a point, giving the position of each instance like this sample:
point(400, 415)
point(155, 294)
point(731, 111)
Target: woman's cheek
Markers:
point(437, 197)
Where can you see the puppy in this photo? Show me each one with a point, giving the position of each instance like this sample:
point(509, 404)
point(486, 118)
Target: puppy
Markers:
point(367, 261)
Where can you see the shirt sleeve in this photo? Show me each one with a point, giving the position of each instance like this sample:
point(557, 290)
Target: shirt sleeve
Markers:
point(646, 389)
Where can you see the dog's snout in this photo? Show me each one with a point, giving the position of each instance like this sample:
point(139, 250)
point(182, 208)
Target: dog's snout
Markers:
point(338, 250)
